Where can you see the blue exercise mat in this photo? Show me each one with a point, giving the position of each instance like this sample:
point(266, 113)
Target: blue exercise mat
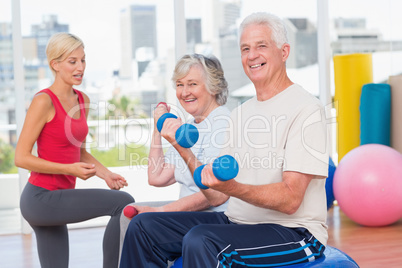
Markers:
point(375, 114)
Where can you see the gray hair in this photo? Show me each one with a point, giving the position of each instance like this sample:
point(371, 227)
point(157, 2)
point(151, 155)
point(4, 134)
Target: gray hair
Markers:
point(277, 26)
point(215, 81)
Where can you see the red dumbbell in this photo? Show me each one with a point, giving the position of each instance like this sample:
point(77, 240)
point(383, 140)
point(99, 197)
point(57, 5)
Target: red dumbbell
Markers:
point(130, 212)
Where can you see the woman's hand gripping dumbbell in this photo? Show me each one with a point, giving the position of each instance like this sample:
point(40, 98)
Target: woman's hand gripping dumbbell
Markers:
point(224, 168)
point(186, 135)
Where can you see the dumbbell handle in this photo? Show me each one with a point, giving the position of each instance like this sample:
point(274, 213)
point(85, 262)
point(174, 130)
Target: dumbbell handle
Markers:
point(130, 211)
point(224, 168)
point(186, 135)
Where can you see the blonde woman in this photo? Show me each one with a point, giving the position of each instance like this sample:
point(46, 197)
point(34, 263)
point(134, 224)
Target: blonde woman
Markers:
point(57, 121)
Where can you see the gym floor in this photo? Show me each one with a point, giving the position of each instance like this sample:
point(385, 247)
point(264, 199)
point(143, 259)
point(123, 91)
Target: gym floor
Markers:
point(370, 247)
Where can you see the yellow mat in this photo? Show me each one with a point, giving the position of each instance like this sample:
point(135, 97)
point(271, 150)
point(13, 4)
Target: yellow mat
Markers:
point(352, 71)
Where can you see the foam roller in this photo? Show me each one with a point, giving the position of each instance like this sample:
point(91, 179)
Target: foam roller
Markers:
point(352, 71)
point(396, 112)
point(375, 114)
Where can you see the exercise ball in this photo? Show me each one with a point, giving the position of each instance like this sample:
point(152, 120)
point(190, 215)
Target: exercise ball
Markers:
point(368, 185)
point(178, 263)
point(329, 189)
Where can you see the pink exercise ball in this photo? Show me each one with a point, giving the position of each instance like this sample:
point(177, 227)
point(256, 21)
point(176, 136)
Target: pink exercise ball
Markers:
point(368, 185)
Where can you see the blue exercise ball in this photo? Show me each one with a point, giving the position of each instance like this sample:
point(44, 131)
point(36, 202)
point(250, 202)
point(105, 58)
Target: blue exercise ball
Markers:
point(329, 184)
point(333, 257)
point(178, 263)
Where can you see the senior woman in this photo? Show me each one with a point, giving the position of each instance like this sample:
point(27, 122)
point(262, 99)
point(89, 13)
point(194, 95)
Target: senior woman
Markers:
point(202, 90)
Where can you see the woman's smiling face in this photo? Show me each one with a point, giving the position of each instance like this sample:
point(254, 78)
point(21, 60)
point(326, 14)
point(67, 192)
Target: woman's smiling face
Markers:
point(193, 95)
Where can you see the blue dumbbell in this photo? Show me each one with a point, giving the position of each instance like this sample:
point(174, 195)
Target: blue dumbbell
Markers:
point(224, 168)
point(186, 135)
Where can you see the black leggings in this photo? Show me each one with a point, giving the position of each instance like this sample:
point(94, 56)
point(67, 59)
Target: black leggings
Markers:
point(49, 212)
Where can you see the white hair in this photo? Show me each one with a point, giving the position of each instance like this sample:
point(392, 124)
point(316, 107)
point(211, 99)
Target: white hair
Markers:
point(277, 26)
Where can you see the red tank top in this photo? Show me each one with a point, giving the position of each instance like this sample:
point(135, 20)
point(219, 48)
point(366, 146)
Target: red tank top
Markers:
point(60, 141)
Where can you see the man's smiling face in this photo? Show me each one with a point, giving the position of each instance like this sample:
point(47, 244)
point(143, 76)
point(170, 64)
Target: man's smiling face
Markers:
point(260, 56)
